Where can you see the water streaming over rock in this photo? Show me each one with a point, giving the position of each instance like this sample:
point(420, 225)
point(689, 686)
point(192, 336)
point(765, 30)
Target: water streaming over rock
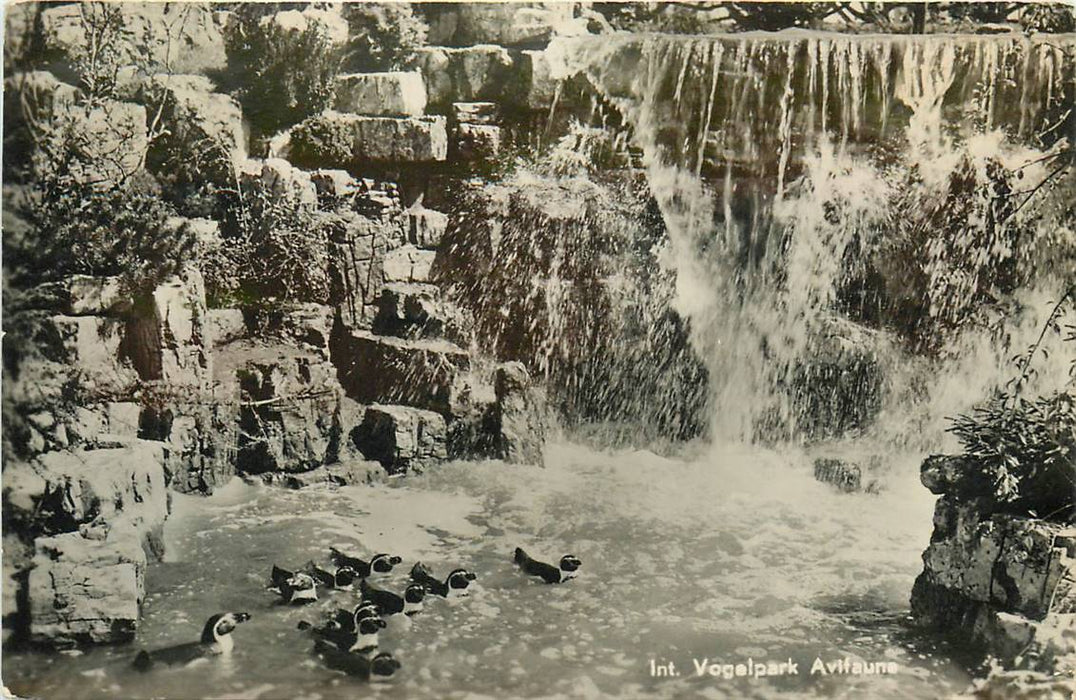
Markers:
point(776, 158)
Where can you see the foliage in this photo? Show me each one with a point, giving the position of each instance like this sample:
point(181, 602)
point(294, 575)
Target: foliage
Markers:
point(75, 228)
point(1027, 448)
point(384, 35)
point(280, 76)
point(322, 140)
point(947, 251)
point(279, 253)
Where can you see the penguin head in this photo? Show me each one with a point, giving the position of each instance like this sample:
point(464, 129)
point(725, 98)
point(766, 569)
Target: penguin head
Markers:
point(569, 562)
point(383, 563)
point(369, 625)
point(459, 580)
point(384, 664)
point(415, 593)
point(221, 625)
point(364, 611)
point(345, 576)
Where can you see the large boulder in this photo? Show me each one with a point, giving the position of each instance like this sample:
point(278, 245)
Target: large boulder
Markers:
point(338, 140)
point(506, 24)
point(84, 590)
point(386, 370)
point(519, 416)
point(468, 74)
point(63, 490)
point(402, 438)
point(390, 94)
point(289, 400)
point(180, 38)
point(204, 123)
point(408, 264)
point(408, 310)
point(358, 245)
point(171, 342)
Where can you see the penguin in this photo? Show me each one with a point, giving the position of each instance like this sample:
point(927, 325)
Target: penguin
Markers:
point(216, 640)
point(382, 666)
point(343, 579)
point(454, 586)
point(379, 564)
point(388, 603)
point(568, 569)
point(346, 619)
point(294, 587)
point(360, 636)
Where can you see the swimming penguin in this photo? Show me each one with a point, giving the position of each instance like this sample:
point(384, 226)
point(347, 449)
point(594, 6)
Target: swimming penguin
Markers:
point(294, 587)
point(382, 666)
point(388, 603)
point(216, 640)
point(360, 636)
point(379, 564)
point(569, 567)
point(454, 586)
point(343, 579)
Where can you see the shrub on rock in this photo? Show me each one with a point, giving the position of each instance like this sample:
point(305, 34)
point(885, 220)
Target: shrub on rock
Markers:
point(384, 35)
point(281, 74)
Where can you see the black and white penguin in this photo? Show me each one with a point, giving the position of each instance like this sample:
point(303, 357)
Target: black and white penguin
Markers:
point(294, 587)
point(360, 636)
point(380, 667)
point(379, 564)
point(388, 603)
point(342, 579)
point(568, 569)
point(216, 640)
point(454, 586)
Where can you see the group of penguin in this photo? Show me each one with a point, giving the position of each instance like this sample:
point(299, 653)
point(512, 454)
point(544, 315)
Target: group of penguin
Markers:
point(348, 639)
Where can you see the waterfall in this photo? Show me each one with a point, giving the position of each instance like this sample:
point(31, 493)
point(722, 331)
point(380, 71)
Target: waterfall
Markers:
point(776, 159)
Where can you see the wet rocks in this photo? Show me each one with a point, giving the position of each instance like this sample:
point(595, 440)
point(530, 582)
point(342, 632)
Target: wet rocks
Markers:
point(845, 476)
point(402, 438)
point(408, 264)
point(426, 227)
point(518, 416)
point(470, 74)
point(83, 590)
point(1003, 582)
point(408, 310)
point(289, 397)
point(388, 370)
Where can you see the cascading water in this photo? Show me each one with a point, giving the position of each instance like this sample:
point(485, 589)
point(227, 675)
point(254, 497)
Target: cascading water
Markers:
point(777, 158)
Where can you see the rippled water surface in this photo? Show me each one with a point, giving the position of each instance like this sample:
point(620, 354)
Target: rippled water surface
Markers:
point(735, 555)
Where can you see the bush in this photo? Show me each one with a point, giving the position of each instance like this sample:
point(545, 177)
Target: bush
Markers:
point(384, 36)
point(280, 76)
point(278, 254)
point(74, 228)
point(1027, 448)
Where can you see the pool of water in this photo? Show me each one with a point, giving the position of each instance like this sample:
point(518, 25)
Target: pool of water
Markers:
point(726, 556)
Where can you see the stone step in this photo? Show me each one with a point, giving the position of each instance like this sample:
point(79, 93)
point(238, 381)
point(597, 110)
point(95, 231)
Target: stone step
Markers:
point(384, 369)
